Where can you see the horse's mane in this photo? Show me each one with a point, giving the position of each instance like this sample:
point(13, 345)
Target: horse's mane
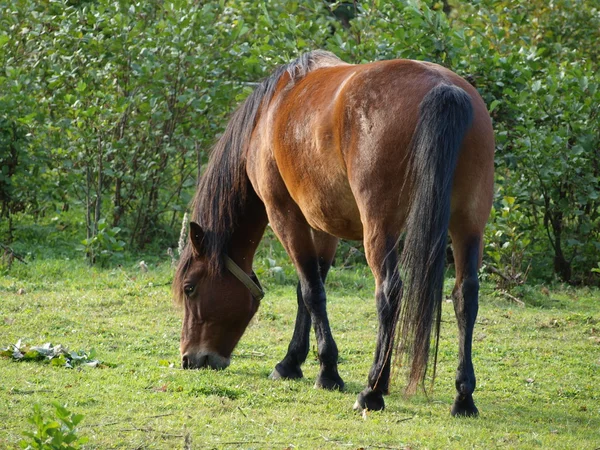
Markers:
point(222, 190)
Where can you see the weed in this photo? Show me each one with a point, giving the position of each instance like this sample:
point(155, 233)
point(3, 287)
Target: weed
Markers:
point(53, 432)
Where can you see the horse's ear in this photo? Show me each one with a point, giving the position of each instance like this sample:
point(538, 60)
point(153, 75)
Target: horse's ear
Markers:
point(196, 238)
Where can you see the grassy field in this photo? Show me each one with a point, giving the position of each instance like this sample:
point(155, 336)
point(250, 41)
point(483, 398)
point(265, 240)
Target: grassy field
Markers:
point(538, 368)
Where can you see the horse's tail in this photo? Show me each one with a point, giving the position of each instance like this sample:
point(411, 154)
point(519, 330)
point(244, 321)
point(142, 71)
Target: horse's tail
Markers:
point(445, 115)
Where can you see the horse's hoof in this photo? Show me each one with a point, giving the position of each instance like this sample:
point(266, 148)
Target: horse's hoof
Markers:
point(283, 372)
point(370, 400)
point(464, 406)
point(330, 382)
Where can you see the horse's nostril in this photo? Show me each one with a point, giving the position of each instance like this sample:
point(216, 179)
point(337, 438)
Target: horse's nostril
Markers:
point(185, 362)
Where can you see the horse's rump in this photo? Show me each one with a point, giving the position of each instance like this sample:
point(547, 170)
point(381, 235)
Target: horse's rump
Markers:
point(341, 138)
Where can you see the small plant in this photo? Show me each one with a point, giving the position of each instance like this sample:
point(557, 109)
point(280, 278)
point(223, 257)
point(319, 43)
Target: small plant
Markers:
point(508, 246)
point(53, 433)
point(104, 246)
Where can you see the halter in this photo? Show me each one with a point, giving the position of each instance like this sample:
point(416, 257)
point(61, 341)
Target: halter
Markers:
point(245, 279)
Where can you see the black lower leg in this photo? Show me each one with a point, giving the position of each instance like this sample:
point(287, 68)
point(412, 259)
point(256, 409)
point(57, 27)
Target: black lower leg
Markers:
point(289, 367)
point(388, 301)
point(466, 305)
point(328, 377)
point(313, 294)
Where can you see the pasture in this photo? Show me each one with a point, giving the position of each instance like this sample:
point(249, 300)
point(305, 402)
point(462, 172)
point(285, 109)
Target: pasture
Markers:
point(538, 367)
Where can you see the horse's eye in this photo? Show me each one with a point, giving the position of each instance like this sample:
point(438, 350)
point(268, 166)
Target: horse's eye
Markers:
point(189, 289)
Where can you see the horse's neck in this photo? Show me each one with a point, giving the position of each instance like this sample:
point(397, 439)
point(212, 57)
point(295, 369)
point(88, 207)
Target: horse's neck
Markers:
point(249, 231)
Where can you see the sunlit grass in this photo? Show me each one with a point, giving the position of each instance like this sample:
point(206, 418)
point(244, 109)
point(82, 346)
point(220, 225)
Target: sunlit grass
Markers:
point(538, 367)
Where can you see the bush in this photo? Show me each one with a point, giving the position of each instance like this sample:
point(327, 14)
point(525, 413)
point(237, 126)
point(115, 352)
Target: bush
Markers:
point(115, 105)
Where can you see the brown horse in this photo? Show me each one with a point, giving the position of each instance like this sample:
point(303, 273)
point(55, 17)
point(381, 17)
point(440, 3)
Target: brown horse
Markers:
point(323, 150)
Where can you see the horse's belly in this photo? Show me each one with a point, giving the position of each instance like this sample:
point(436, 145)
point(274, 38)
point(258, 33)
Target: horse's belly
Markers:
point(317, 181)
point(331, 210)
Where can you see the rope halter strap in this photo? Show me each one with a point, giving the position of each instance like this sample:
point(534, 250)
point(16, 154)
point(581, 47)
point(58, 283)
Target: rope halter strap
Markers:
point(245, 279)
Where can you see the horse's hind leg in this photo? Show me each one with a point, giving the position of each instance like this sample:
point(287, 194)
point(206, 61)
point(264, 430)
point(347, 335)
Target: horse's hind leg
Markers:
point(467, 250)
point(382, 256)
point(290, 365)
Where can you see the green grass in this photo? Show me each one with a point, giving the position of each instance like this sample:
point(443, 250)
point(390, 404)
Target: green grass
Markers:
point(538, 368)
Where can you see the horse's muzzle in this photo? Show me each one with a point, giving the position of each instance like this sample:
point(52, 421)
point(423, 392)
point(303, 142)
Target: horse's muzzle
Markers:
point(203, 360)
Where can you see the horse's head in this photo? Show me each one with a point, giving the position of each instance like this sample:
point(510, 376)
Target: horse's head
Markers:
point(217, 307)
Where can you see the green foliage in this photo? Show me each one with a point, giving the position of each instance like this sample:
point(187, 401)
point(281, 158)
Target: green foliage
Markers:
point(56, 355)
point(543, 88)
point(556, 145)
point(104, 246)
point(109, 108)
point(53, 432)
point(508, 245)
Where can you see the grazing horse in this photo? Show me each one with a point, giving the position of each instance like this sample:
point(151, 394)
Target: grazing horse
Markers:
point(324, 150)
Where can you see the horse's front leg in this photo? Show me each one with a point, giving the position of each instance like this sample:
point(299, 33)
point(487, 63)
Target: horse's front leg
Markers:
point(382, 256)
point(301, 244)
point(290, 365)
point(313, 294)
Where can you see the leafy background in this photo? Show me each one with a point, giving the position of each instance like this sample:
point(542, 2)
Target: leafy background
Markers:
point(109, 108)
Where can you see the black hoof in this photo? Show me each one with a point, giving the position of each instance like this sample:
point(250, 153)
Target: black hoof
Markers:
point(464, 406)
point(370, 400)
point(331, 381)
point(286, 373)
